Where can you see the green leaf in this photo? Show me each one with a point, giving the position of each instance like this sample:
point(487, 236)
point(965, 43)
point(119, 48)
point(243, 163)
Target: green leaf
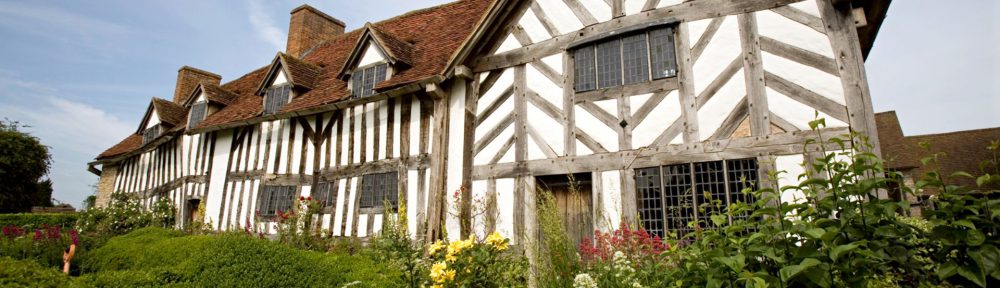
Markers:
point(815, 233)
point(975, 238)
point(734, 263)
point(973, 273)
point(965, 223)
point(836, 252)
point(962, 174)
point(947, 270)
point(790, 272)
point(982, 180)
point(719, 220)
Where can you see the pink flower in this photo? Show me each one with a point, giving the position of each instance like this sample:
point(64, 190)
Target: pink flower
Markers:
point(74, 237)
point(38, 235)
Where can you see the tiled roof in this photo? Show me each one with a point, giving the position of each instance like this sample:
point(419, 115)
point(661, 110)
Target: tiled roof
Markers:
point(169, 112)
point(434, 33)
point(963, 150)
point(130, 143)
point(300, 73)
point(396, 48)
point(217, 94)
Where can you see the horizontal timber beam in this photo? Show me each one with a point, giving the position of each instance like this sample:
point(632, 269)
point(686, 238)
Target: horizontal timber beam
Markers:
point(755, 146)
point(685, 12)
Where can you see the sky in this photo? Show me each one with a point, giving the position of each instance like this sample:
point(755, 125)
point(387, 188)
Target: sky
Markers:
point(81, 73)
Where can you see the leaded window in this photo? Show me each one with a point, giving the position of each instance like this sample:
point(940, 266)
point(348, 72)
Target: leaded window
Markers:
point(276, 97)
point(670, 197)
point(324, 194)
point(628, 58)
point(198, 111)
point(150, 134)
point(584, 75)
point(363, 80)
point(379, 188)
point(275, 198)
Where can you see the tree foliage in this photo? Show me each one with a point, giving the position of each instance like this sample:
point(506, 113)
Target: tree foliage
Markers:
point(23, 162)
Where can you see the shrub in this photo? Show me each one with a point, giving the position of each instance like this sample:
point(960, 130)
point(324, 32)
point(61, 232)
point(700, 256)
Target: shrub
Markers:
point(622, 258)
point(476, 263)
point(394, 247)
point(34, 221)
point(161, 256)
point(44, 245)
point(26, 273)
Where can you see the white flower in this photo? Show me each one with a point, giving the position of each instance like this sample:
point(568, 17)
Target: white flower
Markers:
point(584, 281)
point(619, 255)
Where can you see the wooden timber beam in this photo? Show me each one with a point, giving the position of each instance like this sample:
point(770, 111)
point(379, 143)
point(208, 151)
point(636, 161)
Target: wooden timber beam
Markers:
point(754, 146)
point(685, 12)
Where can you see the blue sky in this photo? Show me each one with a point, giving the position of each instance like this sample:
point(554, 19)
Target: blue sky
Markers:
point(81, 73)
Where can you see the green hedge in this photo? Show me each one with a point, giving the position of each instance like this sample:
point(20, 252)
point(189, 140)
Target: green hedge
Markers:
point(27, 273)
point(156, 256)
point(32, 221)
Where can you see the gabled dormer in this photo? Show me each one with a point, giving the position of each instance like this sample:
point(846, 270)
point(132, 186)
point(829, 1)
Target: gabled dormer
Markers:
point(160, 116)
point(206, 99)
point(287, 77)
point(374, 59)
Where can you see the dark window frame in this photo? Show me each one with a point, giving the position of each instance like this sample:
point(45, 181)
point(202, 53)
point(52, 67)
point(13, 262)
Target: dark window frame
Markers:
point(376, 188)
point(365, 78)
point(272, 104)
point(150, 134)
point(193, 116)
point(662, 57)
point(274, 198)
point(681, 191)
point(324, 193)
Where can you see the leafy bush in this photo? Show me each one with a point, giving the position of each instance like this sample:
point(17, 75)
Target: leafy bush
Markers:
point(394, 247)
point(35, 221)
point(26, 273)
point(622, 258)
point(45, 245)
point(162, 256)
point(123, 214)
point(475, 263)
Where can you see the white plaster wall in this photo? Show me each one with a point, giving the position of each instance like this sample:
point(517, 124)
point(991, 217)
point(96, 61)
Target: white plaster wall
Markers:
point(153, 119)
point(456, 139)
point(611, 187)
point(561, 16)
point(280, 78)
point(371, 55)
point(533, 27)
point(505, 207)
point(661, 117)
point(792, 167)
point(340, 207)
point(349, 213)
point(415, 127)
point(411, 201)
point(218, 177)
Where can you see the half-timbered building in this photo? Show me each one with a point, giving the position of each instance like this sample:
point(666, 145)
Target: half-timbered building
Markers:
point(626, 110)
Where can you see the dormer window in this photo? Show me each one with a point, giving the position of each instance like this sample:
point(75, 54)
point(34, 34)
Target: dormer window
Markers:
point(150, 134)
point(364, 79)
point(629, 57)
point(198, 112)
point(276, 97)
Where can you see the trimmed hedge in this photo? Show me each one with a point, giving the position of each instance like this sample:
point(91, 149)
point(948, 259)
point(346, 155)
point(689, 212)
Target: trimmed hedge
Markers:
point(32, 221)
point(157, 256)
point(27, 273)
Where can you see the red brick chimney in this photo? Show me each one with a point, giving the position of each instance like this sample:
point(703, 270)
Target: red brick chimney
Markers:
point(188, 79)
point(310, 27)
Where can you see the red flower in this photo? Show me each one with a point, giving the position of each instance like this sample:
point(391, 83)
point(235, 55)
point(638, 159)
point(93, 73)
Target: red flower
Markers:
point(302, 198)
point(310, 198)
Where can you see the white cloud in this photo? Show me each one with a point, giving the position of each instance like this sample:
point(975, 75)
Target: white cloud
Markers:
point(74, 132)
point(61, 25)
point(264, 25)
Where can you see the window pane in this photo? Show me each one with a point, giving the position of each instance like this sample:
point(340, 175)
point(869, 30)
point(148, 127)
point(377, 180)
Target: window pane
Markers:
point(661, 51)
point(679, 200)
point(710, 190)
point(634, 59)
point(584, 76)
point(276, 98)
point(378, 188)
point(742, 174)
point(357, 82)
point(649, 197)
point(609, 64)
point(369, 81)
point(197, 114)
point(150, 134)
point(380, 73)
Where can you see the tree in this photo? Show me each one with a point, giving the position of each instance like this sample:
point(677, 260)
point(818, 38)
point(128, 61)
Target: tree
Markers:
point(23, 163)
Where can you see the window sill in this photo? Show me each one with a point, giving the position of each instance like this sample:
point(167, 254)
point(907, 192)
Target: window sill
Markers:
point(655, 86)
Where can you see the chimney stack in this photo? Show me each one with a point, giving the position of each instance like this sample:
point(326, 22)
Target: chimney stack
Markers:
point(310, 27)
point(188, 79)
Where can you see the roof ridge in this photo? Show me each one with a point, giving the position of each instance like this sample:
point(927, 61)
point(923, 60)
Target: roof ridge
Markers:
point(953, 132)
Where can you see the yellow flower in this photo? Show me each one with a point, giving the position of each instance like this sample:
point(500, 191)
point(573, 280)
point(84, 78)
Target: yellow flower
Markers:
point(499, 242)
point(456, 247)
point(437, 246)
point(441, 274)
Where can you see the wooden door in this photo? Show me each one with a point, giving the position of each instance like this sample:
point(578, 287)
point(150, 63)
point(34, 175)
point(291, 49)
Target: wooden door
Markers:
point(573, 201)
